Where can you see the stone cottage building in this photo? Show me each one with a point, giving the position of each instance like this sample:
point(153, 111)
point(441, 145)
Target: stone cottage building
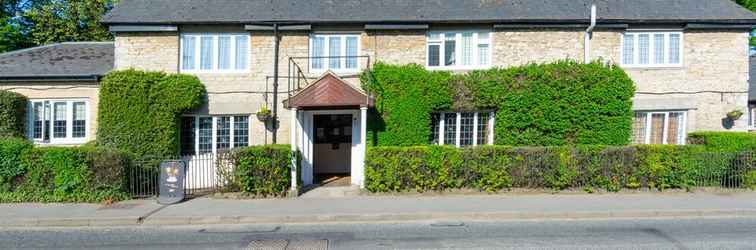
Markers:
point(688, 58)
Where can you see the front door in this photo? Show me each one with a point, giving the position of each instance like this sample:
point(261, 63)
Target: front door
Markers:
point(332, 149)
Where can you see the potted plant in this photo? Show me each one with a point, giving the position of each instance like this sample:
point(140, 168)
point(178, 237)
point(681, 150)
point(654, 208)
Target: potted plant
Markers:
point(264, 114)
point(734, 115)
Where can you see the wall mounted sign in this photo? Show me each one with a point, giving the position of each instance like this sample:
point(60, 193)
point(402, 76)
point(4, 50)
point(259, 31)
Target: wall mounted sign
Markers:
point(172, 175)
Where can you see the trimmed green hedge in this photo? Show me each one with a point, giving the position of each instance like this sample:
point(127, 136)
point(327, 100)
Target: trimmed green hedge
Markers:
point(725, 141)
point(552, 104)
point(62, 174)
point(495, 168)
point(12, 113)
point(139, 111)
point(262, 171)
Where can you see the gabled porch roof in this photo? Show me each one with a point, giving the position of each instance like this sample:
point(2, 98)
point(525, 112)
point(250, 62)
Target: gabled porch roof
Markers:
point(329, 92)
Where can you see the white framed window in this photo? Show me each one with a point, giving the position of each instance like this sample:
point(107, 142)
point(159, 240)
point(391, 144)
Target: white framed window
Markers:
point(214, 53)
point(458, 50)
point(462, 128)
point(660, 127)
point(752, 117)
point(648, 49)
point(336, 52)
point(58, 121)
point(212, 134)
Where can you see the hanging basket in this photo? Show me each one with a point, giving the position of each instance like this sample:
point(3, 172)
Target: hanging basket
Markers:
point(263, 117)
point(735, 115)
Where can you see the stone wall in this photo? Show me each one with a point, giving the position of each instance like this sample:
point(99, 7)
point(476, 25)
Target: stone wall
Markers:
point(157, 51)
point(62, 90)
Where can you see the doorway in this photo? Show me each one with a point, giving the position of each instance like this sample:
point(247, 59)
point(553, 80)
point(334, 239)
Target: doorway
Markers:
point(332, 149)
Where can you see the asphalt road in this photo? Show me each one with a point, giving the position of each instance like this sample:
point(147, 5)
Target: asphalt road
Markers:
point(710, 233)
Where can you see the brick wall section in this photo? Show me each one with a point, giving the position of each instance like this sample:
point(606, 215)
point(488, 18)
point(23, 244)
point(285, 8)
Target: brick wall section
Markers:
point(67, 90)
point(157, 51)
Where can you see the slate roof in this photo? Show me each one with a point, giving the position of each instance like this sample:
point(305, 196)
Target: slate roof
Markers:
point(61, 60)
point(752, 80)
point(429, 11)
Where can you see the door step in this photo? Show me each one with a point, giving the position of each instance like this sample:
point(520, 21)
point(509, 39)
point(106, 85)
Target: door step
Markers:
point(331, 192)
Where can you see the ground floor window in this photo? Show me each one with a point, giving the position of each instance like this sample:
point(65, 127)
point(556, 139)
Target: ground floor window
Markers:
point(752, 117)
point(660, 127)
point(462, 128)
point(212, 134)
point(58, 121)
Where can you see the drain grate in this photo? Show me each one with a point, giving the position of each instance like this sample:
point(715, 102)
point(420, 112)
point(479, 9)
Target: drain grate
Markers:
point(288, 245)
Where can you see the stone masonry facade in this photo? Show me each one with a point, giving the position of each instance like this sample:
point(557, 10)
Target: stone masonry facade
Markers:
point(712, 81)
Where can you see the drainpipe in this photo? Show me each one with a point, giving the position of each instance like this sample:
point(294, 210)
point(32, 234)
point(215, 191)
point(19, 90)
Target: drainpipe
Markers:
point(588, 34)
point(275, 82)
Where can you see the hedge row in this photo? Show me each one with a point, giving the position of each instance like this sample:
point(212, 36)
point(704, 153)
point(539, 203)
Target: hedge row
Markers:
point(61, 174)
point(725, 141)
point(261, 171)
point(12, 114)
point(496, 168)
point(138, 111)
point(552, 104)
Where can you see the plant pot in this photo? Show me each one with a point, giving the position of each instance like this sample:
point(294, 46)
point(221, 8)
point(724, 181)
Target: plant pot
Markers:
point(264, 117)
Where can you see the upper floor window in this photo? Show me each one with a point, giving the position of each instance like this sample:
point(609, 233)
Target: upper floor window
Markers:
point(462, 129)
point(652, 49)
point(337, 52)
point(214, 52)
point(660, 127)
point(59, 121)
point(459, 50)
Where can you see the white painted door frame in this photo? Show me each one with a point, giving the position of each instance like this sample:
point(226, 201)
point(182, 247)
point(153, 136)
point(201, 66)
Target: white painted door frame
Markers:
point(304, 126)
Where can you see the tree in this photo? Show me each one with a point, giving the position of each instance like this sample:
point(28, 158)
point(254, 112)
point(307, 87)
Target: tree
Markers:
point(11, 36)
point(69, 20)
point(751, 5)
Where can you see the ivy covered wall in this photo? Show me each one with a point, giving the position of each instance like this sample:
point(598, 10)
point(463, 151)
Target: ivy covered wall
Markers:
point(559, 103)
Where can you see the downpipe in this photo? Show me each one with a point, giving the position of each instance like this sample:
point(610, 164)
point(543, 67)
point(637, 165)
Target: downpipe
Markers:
point(588, 34)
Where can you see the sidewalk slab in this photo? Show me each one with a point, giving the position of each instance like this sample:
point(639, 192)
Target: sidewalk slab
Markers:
point(35, 214)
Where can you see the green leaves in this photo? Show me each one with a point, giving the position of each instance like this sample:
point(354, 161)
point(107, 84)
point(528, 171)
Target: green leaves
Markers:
point(262, 171)
point(138, 111)
point(13, 114)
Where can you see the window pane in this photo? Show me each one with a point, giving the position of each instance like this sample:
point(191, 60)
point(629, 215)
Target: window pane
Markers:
point(628, 52)
point(483, 132)
point(318, 51)
point(205, 135)
point(433, 55)
point(675, 129)
point(39, 120)
point(483, 54)
point(674, 48)
point(450, 46)
point(242, 52)
point(659, 48)
point(643, 49)
point(435, 126)
point(657, 128)
point(187, 135)
point(334, 52)
point(59, 120)
point(639, 128)
point(188, 51)
point(467, 48)
point(450, 129)
point(466, 129)
point(224, 52)
point(206, 53)
point(241, 131)
point(223, 136)
point(80, 120)
point(351, 52)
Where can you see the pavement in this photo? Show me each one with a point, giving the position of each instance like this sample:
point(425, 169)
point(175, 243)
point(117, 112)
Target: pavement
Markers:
point(390, 208)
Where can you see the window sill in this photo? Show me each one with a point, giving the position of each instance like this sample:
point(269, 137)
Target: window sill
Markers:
point(337, 71)
point(458, 68)
point(77, 142)
point(646, 67)
point(212, 72)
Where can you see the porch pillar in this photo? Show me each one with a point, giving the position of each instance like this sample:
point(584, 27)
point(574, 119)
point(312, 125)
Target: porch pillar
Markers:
point(293, 132)
point(363, 143)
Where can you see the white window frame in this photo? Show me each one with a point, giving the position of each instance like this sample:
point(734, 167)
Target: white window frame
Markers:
point(458, 128)
point(216, 55)
point(214, 137)
point(651, 47)
point(326, 52)
point(69, 139)
point(458, 49)
point(752, 117)
point(665, 135)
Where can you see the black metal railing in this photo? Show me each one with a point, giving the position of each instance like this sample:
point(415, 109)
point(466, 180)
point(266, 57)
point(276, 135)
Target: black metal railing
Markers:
point(205, 173)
